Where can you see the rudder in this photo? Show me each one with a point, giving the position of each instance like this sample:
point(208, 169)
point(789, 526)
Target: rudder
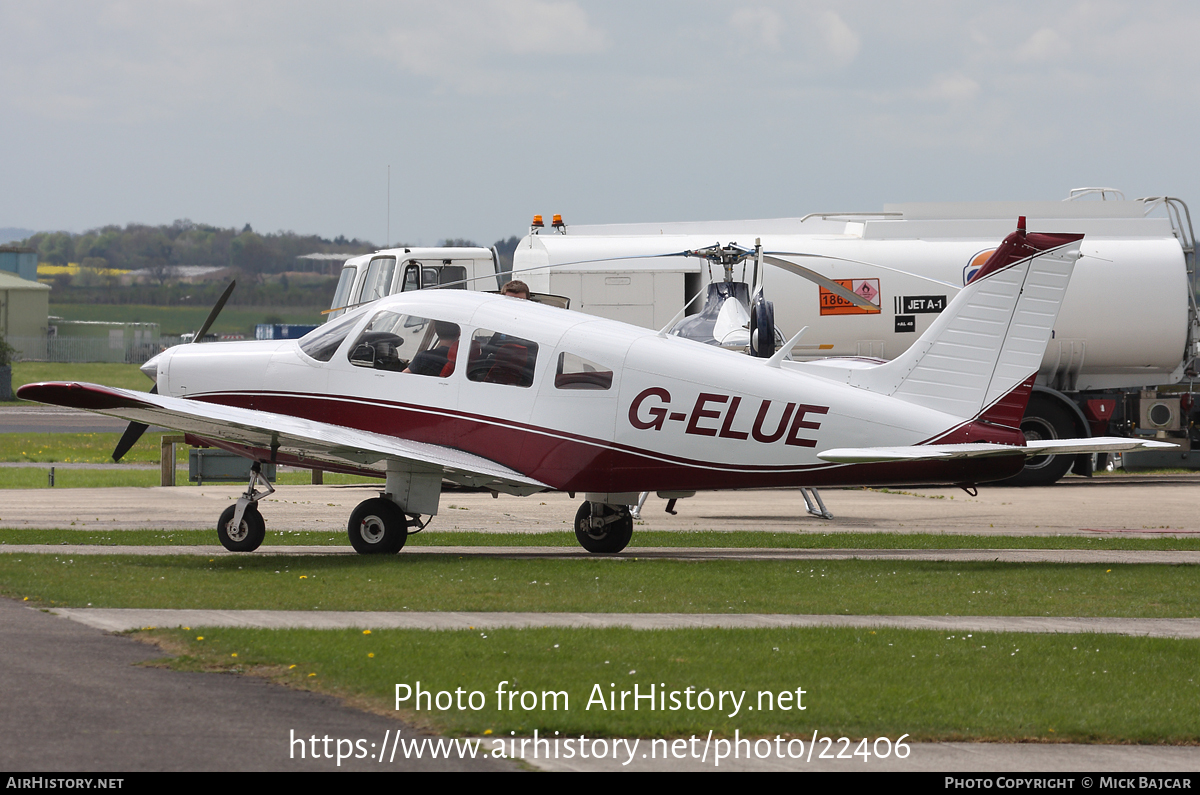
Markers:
point(992, 336)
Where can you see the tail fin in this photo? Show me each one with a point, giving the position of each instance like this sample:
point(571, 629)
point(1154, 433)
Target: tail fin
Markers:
point(992, 336)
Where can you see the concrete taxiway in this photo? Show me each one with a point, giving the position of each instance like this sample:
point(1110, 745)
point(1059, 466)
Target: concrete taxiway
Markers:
point(122, 619)
point(1121, 505)
point(77, 699)
point(55, 419)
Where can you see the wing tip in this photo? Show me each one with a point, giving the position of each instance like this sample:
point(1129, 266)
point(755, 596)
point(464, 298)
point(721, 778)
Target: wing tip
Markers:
point(76, 394)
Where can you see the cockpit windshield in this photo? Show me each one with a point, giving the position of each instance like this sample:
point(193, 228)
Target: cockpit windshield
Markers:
point(323, 342)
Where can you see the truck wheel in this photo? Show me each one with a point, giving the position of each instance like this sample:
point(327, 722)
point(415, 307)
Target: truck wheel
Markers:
point(1045, 419)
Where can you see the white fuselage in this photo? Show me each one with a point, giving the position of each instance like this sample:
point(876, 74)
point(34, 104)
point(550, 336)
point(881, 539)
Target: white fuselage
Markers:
point(677, 414)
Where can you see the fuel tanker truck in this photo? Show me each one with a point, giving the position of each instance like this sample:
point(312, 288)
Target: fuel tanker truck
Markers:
point(1123, 354)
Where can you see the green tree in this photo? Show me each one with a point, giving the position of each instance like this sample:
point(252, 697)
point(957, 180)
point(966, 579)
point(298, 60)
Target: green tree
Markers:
point(55, 248)
point(7, 354)
point(248, 253)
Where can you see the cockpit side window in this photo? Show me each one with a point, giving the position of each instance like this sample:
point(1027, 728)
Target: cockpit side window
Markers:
point(501, 359)
point(576, 372)
point(408, 344)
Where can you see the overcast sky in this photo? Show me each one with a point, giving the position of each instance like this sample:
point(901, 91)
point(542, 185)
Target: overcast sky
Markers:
point(286, 115)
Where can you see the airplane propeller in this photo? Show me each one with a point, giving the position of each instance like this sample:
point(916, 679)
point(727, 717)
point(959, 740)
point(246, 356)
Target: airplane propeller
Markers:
point(135, 430)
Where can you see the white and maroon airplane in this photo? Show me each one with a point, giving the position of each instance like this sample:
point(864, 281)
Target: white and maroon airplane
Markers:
point(500, 393)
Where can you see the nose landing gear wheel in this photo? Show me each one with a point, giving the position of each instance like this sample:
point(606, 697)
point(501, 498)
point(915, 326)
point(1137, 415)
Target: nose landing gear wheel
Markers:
point(249, 533)
point(378, 527)
point(607, 531)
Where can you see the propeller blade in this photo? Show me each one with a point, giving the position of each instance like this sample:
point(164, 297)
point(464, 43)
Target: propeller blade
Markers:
point(817, 278)
point(132, 433)
point(216, 310)
point(129, 439)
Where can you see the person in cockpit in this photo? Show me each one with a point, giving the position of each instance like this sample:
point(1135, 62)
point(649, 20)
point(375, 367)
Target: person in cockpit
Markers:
point(438, 361)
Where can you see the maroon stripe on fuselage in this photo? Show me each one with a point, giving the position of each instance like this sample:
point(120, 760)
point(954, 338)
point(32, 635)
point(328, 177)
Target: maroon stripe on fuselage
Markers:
point(576, 463)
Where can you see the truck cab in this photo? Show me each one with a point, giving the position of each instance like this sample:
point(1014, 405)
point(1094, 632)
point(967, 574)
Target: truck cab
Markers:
point(372, 276)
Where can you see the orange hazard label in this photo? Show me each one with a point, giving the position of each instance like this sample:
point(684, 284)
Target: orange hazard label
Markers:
point(866, 289)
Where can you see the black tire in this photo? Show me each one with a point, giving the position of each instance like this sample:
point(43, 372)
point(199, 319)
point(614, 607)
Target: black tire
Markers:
point(377, 527)
point(1045, 418)
point(762, 329)
point(615, 535)
point(249, 534)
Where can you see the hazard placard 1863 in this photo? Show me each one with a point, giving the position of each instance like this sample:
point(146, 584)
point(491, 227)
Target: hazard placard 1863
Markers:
point(867, 289)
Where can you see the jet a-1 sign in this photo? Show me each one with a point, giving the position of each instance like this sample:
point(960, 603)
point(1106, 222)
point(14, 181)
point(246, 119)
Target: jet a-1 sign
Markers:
point(518, 398)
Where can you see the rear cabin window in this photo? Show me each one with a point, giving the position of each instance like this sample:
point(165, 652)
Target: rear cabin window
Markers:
point(501, 359)
point(576, 372)
point(407, 344)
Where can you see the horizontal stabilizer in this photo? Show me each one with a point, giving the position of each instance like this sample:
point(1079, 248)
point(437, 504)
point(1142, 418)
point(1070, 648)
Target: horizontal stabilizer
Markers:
point(944, 452)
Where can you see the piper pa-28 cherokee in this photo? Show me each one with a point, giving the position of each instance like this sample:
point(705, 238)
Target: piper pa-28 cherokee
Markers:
point(499, 393)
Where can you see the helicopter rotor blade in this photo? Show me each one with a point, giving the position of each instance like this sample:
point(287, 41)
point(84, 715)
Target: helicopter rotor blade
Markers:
point(820, 280)
point(864, 262)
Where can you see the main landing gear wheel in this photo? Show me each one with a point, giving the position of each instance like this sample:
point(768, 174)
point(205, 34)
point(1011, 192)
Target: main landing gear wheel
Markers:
point(1044, 419)
point(249, 533)
point(378, 527)
point(608, 531)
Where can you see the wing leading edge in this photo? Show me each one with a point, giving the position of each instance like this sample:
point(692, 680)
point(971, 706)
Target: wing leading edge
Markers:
point(313, 441)
point(943, 452)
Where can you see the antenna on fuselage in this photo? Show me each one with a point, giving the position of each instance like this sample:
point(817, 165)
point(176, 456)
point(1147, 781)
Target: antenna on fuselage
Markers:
point(782, 353)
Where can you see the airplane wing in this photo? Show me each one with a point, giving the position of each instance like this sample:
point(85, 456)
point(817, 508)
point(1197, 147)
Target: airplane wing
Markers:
point(943, 452)
point(319, 442)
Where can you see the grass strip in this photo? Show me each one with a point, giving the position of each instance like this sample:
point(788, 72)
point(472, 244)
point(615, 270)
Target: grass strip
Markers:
point(641, 538)
point(178, 319)
point(857, 683)
point(82, 448)
point(124, 376)
point(418, 582)
point(150, 538)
